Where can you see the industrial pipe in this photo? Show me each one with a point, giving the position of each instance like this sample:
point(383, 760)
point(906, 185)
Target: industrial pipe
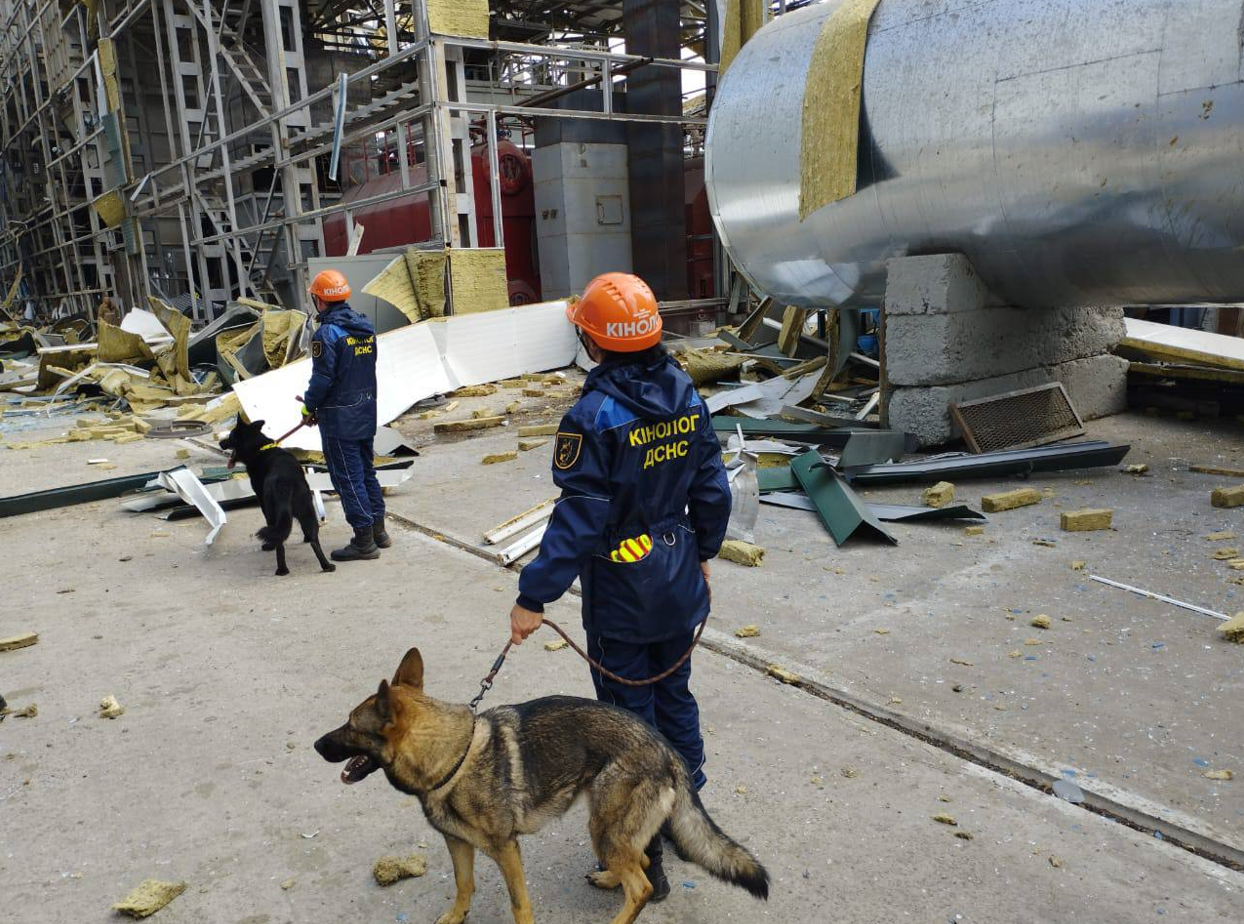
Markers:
point(1079, 152)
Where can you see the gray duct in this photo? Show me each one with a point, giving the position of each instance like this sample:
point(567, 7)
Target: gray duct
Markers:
point(1079, 152)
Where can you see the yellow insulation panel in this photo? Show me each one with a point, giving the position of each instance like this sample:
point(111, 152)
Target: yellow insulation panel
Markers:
point(459, 17)
point(743, 19)
point(477, 280)
point(829, 149)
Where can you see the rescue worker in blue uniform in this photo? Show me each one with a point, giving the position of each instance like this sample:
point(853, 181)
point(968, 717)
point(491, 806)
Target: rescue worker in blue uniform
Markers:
point(644, 506)
point(341, 399)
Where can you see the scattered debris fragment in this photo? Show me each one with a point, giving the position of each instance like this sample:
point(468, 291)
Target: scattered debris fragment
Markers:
point(389, 870)
point(747, 632)
point(528, 445)
point(1040, 622)
point(741, 790)
point(1226, 553)
point(498, 457)
point(1032, 642)
point(24, 640)
point(942, 818)
point(1009, 500)
point(476, 391)
point(849, 772)
point(1218, 775)
point(1079, 521)
point(939, 495)
point(289, 884)
point(1046, 543)
point(742, 553)
point(1156, 596)
point(782, 674)
point(1056, 862)
point(964, 835)
point(1222, 536)
point(974, 530)
point(538, 430)
point(1233, 629)
point(474, 423)
point(1139, 468)
point(961, 661)
point(556, 645)
point(149, 897)
point(1227, 497)
point(109, 708)
point(1079, 565)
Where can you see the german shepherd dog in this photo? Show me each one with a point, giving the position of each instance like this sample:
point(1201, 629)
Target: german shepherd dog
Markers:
point(282, 489)
point(483, 780)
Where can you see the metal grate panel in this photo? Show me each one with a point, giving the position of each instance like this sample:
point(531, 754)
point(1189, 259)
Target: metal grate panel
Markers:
point(1017, 419)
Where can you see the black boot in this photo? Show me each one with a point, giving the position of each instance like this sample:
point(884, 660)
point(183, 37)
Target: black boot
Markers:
point(656, 871)
point(379, 534)
point(361, 548)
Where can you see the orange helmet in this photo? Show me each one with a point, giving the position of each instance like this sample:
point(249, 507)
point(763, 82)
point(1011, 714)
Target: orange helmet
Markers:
point(330, 285)
point(619, 312)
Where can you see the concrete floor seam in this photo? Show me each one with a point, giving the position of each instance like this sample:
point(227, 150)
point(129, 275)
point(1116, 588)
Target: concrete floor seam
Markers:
point(1208, 848)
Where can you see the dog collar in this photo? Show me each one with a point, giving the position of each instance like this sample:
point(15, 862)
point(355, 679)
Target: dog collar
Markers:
point(461, 760)
point(269, 446)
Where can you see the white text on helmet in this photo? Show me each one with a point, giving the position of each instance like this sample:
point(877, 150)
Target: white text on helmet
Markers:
point(631, 328)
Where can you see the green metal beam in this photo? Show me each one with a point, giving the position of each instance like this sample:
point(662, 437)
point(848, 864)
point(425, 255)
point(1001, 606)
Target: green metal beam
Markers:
point(840, 508)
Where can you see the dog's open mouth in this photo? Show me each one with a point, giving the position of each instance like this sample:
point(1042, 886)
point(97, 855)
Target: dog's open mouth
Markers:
point(358, 769)
point(233, 459)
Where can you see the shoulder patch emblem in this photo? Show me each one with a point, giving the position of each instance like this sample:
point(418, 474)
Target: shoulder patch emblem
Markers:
point(317, 348)
point(567, 449)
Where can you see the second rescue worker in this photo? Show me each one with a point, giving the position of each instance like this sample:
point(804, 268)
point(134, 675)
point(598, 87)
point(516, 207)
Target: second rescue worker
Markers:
point(342, 400)
point(644, 506)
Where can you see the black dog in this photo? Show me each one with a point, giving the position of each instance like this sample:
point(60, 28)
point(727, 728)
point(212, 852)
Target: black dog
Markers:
point(281, 487)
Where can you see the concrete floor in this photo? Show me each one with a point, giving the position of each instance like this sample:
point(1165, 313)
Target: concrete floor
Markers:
point(229, 673)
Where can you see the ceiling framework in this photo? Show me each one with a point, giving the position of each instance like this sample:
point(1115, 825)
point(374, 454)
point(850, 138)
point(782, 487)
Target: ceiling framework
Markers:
point(181, 148)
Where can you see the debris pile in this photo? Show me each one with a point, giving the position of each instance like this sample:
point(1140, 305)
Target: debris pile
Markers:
point(146, 362)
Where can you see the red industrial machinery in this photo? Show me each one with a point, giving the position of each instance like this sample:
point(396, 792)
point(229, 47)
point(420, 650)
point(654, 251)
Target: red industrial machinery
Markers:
point(699, 231)
point(407, 220)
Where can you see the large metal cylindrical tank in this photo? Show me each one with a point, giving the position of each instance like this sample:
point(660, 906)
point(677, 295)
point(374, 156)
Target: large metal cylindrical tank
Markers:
point(1079, 152)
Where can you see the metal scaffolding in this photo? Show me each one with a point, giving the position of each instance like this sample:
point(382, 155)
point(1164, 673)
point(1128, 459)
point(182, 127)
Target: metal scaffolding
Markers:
point(181, 148)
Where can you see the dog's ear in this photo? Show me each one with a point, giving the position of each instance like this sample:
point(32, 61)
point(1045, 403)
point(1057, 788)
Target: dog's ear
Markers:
point(257, 425)
point(384, 707)
point(410, 671)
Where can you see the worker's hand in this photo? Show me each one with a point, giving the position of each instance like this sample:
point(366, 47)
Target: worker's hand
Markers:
point(705, 571)
point(308, 418)
point(523, 622)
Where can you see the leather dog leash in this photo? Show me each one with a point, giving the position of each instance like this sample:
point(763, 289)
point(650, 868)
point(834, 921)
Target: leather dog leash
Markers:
point(486, 684)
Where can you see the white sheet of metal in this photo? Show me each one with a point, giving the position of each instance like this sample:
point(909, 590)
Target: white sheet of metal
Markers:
point(193, 491)
point(425, 359)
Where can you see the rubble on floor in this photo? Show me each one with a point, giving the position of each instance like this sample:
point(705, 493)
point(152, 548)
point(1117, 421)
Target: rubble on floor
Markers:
point(389, 870)
point(149, 897)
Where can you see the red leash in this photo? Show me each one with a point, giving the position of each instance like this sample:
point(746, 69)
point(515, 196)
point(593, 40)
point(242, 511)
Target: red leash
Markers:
point(279, 440)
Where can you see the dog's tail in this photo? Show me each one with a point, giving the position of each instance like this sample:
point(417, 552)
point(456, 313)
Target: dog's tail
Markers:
point(282, 523)
point(698, 839)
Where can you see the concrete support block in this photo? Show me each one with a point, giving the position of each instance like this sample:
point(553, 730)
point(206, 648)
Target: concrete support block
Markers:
point(957, 346)
point(936, 284)
point(1097, 387)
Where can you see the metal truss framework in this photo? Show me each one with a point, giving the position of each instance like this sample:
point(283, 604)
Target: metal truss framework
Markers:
point(180, 148)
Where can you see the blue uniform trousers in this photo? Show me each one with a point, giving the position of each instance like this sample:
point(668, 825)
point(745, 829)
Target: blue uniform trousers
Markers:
point(667, 705)
point(353, 472)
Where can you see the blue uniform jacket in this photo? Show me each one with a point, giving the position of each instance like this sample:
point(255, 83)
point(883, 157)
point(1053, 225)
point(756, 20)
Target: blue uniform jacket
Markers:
point(342, 393)
point(644, 500)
